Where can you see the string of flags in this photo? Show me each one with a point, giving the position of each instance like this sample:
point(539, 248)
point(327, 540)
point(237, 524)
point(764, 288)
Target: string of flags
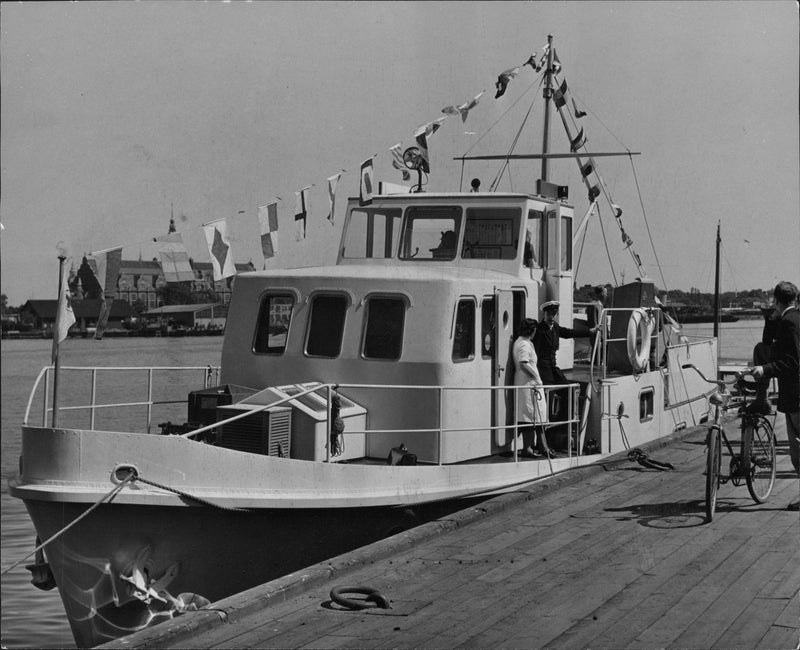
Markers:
point(174, 257)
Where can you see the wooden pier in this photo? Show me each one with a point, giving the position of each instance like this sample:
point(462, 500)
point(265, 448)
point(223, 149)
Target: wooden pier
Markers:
point(611, 556)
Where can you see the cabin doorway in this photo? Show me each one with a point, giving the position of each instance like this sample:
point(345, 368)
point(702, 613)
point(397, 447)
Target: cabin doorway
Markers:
point(503, 363)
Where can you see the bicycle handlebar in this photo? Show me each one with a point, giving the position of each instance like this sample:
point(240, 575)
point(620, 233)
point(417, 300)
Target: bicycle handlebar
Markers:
point(720, 382)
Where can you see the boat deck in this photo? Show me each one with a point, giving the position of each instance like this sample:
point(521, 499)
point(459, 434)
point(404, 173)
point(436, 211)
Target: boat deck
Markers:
point(615, 555)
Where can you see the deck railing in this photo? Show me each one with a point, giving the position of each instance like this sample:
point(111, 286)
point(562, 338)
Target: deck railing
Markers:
point(210, 377)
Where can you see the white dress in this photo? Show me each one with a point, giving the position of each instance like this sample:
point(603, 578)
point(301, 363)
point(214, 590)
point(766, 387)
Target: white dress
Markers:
point(531, 406)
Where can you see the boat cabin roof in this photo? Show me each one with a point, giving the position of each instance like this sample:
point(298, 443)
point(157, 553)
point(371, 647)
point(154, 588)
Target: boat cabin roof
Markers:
point(507, 233)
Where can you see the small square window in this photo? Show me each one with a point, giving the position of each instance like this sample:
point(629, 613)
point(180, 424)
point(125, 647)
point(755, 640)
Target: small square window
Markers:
point(383, 337)
point(646, 405)
point(326, 326)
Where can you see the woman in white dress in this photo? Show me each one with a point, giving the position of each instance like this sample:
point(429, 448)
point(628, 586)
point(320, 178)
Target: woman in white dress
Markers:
point(530, 409)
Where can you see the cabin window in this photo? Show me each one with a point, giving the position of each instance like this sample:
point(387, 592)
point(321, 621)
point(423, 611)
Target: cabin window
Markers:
point(487, 327)
point(383, 334)
point(371, 233)
point(532, 256)
point(326, 326)
point(464, 335)
point(566, 243)
point(430, 233)
point(491, 233)
point(272, 327)
point(646, 405)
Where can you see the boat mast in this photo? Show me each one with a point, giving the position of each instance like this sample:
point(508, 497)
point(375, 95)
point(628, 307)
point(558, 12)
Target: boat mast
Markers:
point(716, 288)
point(547, 93)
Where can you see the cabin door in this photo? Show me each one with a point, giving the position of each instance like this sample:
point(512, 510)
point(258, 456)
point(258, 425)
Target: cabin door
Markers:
point(503, 364)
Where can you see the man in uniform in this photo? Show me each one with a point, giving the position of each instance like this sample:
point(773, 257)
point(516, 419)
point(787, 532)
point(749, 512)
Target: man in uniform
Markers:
point(546, 342)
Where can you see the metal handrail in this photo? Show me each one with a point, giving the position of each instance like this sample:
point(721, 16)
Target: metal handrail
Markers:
point(45, 373)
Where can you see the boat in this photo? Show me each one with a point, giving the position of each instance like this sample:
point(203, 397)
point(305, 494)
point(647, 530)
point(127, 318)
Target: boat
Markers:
point(352, 401)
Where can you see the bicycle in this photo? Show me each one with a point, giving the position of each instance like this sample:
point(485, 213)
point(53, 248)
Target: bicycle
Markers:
point(755, 462)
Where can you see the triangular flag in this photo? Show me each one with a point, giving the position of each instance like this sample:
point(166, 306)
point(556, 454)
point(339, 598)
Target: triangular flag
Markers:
point(578, 141)
point(421, 136)
point(397, 160)
point(502, 81)
point(333, 181)
point(578, 113)
point(174, 258)
point(65, 317)
point(219, 248)
point(556, 62)
point(106, 268)
point(268, 220)
point(464, 109)
point(367, 183)
point(532, 62)
point(301, 213)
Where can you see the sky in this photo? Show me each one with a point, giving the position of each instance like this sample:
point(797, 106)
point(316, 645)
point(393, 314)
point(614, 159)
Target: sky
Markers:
point(113, 115)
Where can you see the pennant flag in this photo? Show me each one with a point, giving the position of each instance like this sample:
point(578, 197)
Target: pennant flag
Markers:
point(367, 183)
point(219, 248)
point(301, 213)
point(333, 181)
point(397, 160)
point(594, 192)
point(268, 220)
point(556, 62)
point(587, 169)
point(421, 136)
point(532, 62)
point(174, 258)
point(578, 113)
point(559, 96)
point(465, 108)
point(578, 141)
point(618, 211)
point(65, 317)
point(106, 269)
point(502, 81)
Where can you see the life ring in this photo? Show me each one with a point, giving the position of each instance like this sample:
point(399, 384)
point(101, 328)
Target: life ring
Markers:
point(373, 598)
point(640, 329)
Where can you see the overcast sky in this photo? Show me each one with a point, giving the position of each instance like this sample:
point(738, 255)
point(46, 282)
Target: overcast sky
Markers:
point(113, 112)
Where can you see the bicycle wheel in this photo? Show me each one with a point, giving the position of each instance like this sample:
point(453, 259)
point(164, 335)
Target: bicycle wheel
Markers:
point(713, 465)
point(758, 457)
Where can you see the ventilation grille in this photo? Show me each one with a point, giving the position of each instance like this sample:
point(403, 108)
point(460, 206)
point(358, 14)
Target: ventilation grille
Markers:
point(265, 433)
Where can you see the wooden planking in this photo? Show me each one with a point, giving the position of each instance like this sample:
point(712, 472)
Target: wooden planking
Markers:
point(621, 559)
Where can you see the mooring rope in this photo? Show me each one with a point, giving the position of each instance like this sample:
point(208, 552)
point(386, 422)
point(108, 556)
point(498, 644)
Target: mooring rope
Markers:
point(105, 497)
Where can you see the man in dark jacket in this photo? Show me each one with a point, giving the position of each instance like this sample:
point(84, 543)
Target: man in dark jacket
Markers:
point(785, 365)
point(545, 342)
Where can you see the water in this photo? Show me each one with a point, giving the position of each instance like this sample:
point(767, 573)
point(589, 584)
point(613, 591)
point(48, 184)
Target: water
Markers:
point(32, 618)
point(35, 619)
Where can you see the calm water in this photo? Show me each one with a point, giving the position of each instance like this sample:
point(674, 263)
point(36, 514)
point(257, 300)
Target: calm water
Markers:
point(34, 619)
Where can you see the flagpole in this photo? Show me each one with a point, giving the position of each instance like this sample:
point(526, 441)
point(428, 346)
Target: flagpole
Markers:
point(548, 91)
point(56, 342)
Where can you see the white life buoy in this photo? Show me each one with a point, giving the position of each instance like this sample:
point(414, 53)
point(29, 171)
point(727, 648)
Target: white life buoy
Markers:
point(640, 329)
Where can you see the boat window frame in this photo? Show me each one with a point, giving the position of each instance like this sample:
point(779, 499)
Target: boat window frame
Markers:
point(647, 400)
point(456, 310)
point(386, 295)
point(408, 217)
point(277, 292)
point(392, 215)
point(506, 224)
point(538, 251)
point(311, 300)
